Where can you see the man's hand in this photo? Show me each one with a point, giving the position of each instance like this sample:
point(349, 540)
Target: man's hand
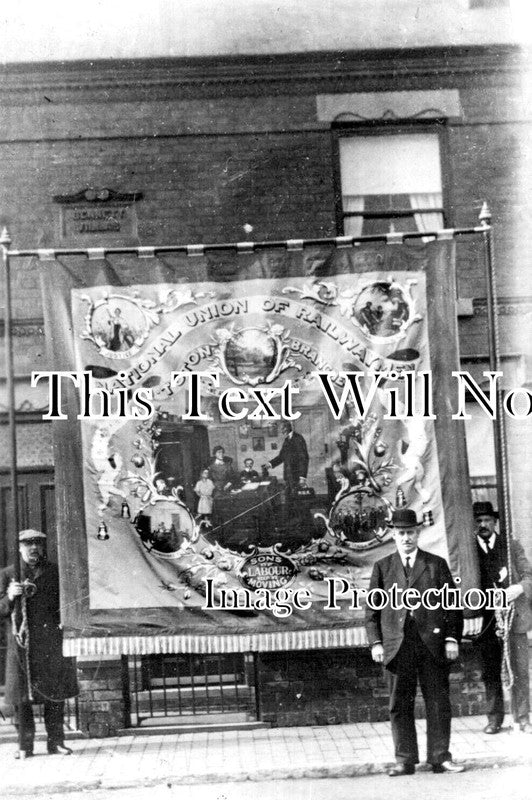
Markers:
point(451, 650)
point(14, 590)
point(513, 592)
point(377, 653)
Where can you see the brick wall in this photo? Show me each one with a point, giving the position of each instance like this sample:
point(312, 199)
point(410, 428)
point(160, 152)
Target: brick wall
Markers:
point(341, 686)
point(102, 705)
point(321, 688)
point(490, 162)
point(194, 191)
point(34, 446)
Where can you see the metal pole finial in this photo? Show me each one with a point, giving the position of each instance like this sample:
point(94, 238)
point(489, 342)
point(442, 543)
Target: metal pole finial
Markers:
point(485, 215)
point(5, 238)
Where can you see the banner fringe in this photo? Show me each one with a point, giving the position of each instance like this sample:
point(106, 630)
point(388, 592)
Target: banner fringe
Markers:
point(240, 643)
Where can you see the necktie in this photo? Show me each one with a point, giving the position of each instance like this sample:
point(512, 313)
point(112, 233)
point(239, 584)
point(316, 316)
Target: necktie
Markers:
point(408, 568)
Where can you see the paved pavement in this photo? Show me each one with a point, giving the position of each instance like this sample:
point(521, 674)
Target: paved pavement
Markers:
point(225, 756)
point(510, 783)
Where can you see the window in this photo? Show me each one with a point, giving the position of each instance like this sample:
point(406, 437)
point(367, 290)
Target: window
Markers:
point(390, 182)
point(479, 430)
point(481, 454)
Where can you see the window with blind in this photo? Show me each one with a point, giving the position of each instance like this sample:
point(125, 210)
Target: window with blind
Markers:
point(390, 182)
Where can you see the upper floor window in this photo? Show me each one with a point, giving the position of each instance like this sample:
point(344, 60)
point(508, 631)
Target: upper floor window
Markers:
point(390, 182)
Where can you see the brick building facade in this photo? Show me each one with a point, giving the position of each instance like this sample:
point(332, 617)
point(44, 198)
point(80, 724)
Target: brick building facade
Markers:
point(225, 148)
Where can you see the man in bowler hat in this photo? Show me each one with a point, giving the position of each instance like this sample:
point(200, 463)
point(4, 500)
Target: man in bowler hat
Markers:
point(48, 678)
point(415, 645)
point(494, 572)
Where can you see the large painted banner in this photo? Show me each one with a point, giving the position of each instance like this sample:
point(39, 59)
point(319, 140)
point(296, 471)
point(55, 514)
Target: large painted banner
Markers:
point(221, 513)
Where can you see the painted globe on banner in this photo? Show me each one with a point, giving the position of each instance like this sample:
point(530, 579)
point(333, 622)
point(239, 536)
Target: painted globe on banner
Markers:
point(251, 353)
point(360, 518)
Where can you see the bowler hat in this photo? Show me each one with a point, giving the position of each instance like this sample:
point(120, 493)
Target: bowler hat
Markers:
point(404, 518)
point(483, 508)
point(29, 533)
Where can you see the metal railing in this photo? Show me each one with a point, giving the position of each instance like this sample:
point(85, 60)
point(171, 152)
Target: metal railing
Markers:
point(188, 688)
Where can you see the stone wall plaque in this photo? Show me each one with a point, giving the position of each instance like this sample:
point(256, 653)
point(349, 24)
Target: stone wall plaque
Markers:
point(98, 214)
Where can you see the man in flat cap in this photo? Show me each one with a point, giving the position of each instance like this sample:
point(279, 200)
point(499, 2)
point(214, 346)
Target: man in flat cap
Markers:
point(49, 678)
point(495, 572)
point(415, 645)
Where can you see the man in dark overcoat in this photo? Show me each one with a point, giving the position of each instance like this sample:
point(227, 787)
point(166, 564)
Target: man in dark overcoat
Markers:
point(415, 645)
point(494, 572)
point(52, 677)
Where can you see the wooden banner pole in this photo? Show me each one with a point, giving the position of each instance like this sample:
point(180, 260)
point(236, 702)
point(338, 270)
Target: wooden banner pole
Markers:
point(5, 242)
point(499, 428)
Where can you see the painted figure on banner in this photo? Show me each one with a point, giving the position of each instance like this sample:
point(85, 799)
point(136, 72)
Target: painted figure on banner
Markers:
point(294, 458)
point(204, 489)
point(221, 471)
point(119, 336)
point(410, 456)
point(107, 463)
point(249, 474)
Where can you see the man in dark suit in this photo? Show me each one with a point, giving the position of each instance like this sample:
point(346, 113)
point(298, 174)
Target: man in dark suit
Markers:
point(293, 455)
point(51, 677)
point(493, 564)
point(415, 645)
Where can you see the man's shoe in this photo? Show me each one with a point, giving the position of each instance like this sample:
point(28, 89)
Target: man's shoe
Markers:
point(27, 754)
point(492, 727)
point(447, 766)
point(401, 769)
point(59, 749)
point(525, 727)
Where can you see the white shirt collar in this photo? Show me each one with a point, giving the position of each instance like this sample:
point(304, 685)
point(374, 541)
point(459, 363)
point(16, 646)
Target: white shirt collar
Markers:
point(487, 545)
point(411, 556)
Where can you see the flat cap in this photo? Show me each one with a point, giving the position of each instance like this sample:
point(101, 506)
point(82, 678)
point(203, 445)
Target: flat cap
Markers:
point(29, 533)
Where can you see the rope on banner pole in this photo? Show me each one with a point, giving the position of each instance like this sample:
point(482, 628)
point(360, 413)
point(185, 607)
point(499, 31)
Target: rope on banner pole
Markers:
point(21, 634)
point(503, 625)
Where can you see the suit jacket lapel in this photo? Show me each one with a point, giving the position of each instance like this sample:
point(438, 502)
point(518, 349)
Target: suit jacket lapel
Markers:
point(419, 567)
point(399, 571)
